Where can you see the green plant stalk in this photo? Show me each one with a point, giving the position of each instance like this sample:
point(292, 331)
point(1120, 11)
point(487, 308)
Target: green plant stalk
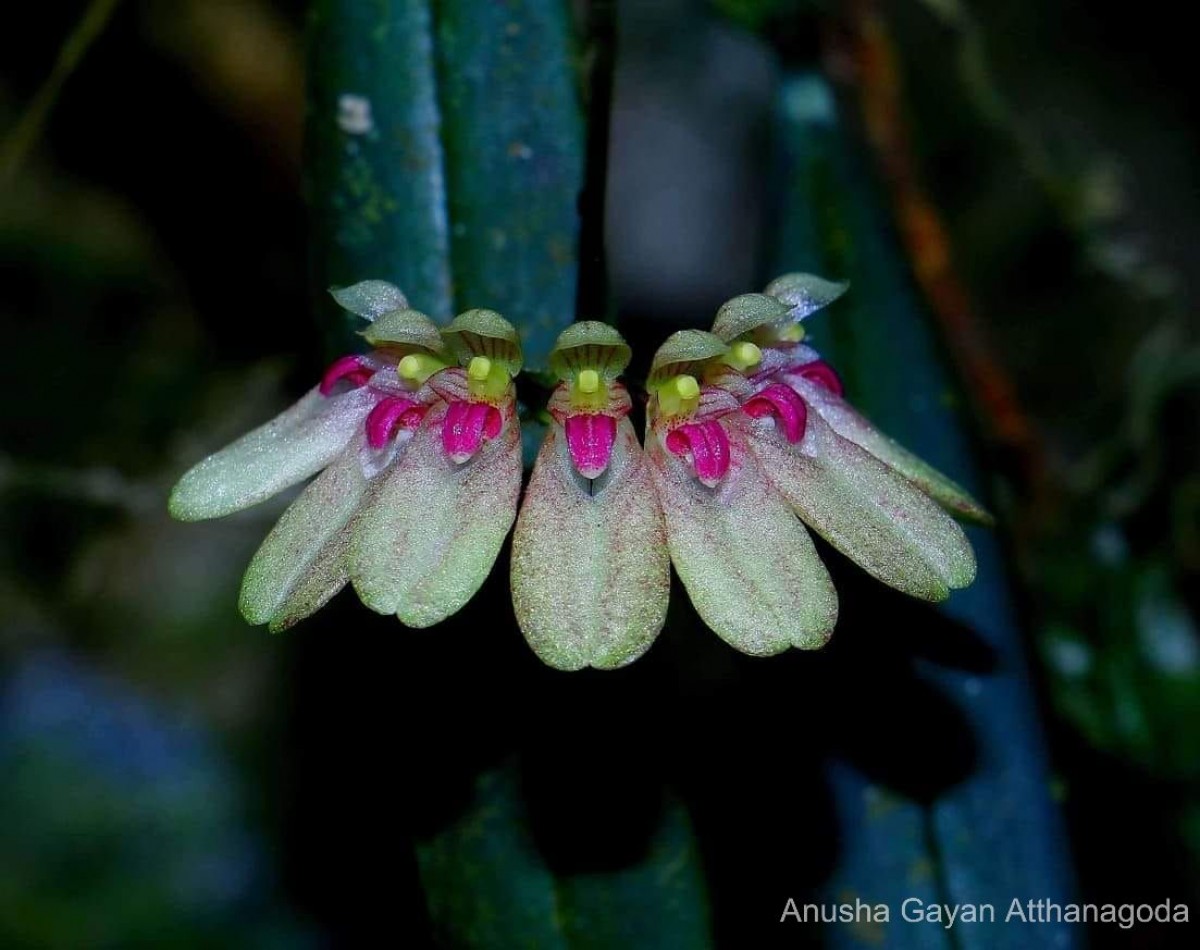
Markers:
point(446, 153)
point(998, 834)
point(28, 129)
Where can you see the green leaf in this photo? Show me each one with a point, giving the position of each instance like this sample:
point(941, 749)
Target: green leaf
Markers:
point(489, 888)
point(514, 146)
point(375, 159)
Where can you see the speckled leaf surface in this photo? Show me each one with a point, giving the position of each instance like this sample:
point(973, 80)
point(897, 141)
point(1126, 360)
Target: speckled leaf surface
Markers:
point(514, 143)
point(590, 572)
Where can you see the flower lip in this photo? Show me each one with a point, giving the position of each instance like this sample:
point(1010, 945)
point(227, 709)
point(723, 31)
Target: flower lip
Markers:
point(466, 426)
point(821, 373)
point(785, 405)
point(390, 414)
point(590, 439)
point(354, 370)
point(706, 445)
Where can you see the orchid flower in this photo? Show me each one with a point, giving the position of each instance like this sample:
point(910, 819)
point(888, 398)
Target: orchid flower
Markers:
point(866, 495)
point(747, 562)
point(439, 517)
point(778, 329)
point(418, 448)
point(419, 462)
point(352, 427)
point(590, 572)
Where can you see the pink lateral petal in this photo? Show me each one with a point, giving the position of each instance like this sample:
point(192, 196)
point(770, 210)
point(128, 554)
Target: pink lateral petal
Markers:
point(590, 437)
point(783, 403)
point(352, 369)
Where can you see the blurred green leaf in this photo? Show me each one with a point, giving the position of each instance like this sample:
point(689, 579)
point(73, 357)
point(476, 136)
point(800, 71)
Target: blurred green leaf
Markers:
point(1123, 659)
point(489, 888)
point(998, 832)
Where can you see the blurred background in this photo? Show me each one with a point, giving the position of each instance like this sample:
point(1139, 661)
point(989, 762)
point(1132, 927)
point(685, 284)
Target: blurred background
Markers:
point(171, 777)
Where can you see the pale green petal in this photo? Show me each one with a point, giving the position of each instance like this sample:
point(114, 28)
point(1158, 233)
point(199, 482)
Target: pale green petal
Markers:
point(749, 566)
point(590, 571)
point(302, 562)
point(291, 447)
point(850, 424)
point(327, 577)
point(431, 533)
point(877, 518)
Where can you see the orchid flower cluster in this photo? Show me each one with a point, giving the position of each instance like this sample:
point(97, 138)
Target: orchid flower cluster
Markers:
point(749, 443)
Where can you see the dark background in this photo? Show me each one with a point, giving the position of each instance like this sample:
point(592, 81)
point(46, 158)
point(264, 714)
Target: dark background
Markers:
point(166, 770)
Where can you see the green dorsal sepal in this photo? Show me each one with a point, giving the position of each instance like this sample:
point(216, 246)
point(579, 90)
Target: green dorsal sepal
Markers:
point(685, 352)
point(370, 299)
point(805, 294)
point(589, 346)
point(484, 333)
point(743, 315)
point(407, 330)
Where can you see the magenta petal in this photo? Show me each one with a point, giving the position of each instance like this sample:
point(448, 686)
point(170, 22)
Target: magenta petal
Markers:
point(822, 374)
point(353, 369)
point(590, 437)
point(785, 405)
point(708, 446)
point(387, 415)
point(465, 427)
